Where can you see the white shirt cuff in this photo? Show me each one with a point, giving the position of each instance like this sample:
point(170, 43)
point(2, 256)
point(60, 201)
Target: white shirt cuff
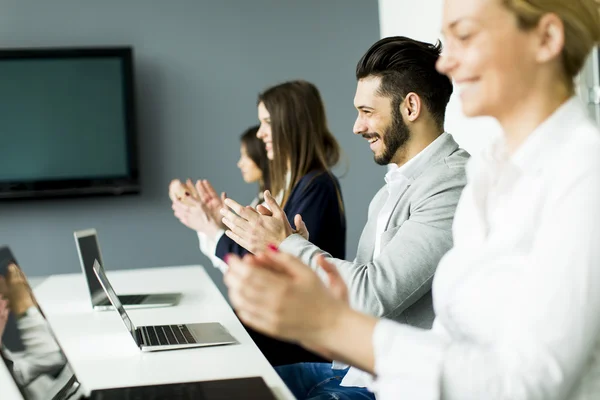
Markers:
point(209, 247)
point(408, 362)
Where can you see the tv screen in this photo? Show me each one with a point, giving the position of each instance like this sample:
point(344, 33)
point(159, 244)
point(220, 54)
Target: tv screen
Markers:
point(67, 122)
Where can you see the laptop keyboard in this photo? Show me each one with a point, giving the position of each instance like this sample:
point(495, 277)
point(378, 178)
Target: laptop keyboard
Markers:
point(162, 335)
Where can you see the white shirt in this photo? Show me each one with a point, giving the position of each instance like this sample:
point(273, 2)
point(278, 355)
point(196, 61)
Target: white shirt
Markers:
point(518, 297)
point(208, 247)
point(397, 180)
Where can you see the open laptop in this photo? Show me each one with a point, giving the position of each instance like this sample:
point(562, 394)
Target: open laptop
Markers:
point(47, 374)
point(89, 250)
point(166, 337)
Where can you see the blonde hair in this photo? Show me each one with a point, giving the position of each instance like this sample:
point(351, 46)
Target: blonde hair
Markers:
point(581, 20)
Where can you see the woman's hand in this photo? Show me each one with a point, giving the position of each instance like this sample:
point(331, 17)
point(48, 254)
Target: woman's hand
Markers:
point(277, 294)
point(211, 200)
point(256, 229)
point(194, 215)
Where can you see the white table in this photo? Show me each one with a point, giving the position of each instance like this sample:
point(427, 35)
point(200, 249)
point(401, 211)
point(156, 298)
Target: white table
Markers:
point(103, 354)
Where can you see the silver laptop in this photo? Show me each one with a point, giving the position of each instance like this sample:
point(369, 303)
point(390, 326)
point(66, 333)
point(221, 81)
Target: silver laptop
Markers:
point(166, 337)
point(50, 376)
point(29, 349)
point(89, 250)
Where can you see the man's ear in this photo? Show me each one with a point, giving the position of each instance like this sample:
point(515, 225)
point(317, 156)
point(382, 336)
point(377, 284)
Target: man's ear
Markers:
point(411, 107)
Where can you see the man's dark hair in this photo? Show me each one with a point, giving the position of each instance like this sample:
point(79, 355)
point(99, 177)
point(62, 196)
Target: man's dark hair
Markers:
point(406, 65)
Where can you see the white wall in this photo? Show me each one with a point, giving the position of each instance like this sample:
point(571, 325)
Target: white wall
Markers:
point(422, 20)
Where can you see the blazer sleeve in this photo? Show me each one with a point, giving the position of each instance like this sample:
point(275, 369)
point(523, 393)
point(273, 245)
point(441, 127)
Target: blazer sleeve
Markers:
point(318, 202)
point(403, 272)
point(227, 246)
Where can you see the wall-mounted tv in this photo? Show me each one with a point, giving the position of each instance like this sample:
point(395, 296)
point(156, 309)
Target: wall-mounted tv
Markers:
point(67, 122)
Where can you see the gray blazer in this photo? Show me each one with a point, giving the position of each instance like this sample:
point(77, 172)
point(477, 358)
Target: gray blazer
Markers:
point(397, 283)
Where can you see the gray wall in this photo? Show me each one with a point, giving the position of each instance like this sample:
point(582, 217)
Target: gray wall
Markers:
point(199, 66)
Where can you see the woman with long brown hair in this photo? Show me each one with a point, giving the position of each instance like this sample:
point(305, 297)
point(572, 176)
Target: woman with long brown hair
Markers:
point(302, 150)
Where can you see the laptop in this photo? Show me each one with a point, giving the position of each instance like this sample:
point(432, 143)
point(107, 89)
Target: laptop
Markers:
point(89, 250)
point(50, 376)
point(166, 337)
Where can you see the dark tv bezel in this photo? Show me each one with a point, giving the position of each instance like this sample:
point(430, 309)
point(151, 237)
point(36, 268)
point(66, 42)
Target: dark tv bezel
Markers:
point(83, 187)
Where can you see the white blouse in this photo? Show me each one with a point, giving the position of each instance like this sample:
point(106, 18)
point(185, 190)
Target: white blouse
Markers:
point(518, 297)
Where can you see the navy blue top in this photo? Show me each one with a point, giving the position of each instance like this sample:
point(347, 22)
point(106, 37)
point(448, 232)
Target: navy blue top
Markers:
point(316, 199)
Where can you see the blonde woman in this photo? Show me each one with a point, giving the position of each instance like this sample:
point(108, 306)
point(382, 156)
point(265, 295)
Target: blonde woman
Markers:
point(518, 297)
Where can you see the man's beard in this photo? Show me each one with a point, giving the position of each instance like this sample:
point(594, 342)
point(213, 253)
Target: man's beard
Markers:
point(394, 138)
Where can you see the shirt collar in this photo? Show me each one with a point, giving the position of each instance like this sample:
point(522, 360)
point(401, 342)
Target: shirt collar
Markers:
point(413, 167)
point(546, 139)
point(542, 144)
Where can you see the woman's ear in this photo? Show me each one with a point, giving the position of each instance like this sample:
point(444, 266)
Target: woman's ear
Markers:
point(550, 41)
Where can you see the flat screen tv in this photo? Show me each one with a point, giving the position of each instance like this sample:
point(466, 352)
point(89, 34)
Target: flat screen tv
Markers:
point(67, 122)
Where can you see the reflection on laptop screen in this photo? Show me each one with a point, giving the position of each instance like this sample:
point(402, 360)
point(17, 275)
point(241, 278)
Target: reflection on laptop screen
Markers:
point(114, 299)
point(27, 345)
point(90, 251)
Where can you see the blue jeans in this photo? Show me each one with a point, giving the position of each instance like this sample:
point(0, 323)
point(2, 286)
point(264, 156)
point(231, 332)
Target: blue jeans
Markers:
point(317, 381)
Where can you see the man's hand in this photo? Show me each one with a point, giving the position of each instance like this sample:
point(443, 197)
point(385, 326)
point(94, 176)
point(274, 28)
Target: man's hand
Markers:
point(337, 286)
point(256, 229)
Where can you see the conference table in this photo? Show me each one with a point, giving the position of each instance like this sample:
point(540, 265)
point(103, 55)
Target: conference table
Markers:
point(103, 354)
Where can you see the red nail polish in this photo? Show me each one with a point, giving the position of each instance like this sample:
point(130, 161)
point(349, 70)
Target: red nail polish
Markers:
point(226, 259)
point(272, 247)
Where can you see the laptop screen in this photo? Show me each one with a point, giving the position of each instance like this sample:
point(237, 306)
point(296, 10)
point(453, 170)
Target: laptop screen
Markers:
point(114, 299)
point(89, 251)
point(28, 347)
